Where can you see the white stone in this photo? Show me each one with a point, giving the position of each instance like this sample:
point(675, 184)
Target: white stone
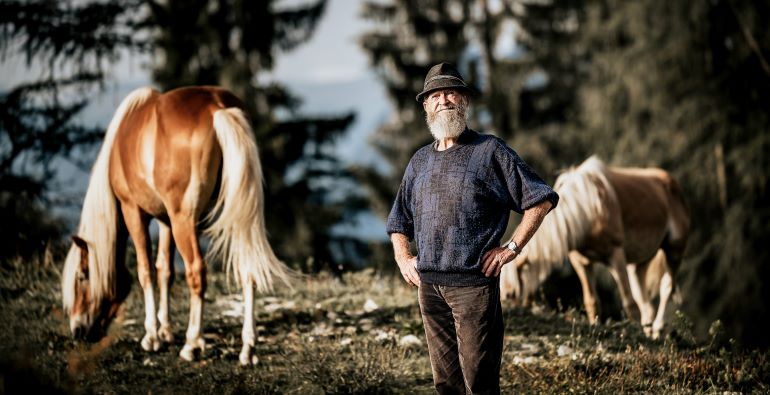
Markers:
point(410, 341)
point(523, 361)
point(381, 336)
point(370, 306)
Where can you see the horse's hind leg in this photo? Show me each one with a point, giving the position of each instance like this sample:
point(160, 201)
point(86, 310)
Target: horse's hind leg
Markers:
point(637, 275)
point(665, 287)
point(164, 265)
point(137, 223)
point(247, 334)
point(183, 229)
point(671, 259)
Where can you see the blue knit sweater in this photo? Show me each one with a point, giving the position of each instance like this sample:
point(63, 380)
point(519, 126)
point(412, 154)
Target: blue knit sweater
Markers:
point(455, 204)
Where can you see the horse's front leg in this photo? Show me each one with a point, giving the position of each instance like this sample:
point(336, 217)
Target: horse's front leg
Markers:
point(165, 268)
point(619, 272)
point(585, 273)
point(137, 222)
point(247, 334)
point(183, 229)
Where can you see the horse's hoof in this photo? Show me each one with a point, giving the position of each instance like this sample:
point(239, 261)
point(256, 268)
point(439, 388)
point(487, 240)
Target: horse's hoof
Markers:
point(191, 352)
point(246, 357)
point(648, 330)
point(150, 343)
point(187, 353)
point(656, 330)
point(165, 334)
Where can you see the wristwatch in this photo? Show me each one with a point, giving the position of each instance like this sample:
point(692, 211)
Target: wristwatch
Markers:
point(513, 247)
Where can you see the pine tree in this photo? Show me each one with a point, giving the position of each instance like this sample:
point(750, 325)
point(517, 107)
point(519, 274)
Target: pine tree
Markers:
point(228, 43)
point(682, 86)
point(409, 38)
point(231, 43)
point(73, 43)
point(674, 85)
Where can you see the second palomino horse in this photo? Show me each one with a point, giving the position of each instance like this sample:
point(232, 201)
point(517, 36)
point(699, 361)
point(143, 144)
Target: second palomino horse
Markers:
point(635, 220)
point(182, 157)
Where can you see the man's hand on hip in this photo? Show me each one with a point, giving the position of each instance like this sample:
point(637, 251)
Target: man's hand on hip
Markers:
point(494, 259)
point(408, 267)
point(407, 263)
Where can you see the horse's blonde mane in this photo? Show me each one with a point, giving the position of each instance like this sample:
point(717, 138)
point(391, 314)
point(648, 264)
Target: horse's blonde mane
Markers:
point(580, 203)
point(98, 220)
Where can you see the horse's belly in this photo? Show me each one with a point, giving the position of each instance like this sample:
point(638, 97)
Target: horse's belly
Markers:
point(640, 247)
point(152, 205)
point(140, 194)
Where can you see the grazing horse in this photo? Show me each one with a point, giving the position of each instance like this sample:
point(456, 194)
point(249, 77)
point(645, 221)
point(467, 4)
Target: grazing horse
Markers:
point(632, 219)
point(183, 157)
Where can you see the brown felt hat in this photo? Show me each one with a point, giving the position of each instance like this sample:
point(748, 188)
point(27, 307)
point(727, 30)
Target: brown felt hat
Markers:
point(443, 76)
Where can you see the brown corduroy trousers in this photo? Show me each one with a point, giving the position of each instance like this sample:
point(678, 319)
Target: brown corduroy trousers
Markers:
point(464, 330)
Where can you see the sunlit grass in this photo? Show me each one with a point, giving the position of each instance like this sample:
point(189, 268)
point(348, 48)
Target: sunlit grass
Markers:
point(345, 335)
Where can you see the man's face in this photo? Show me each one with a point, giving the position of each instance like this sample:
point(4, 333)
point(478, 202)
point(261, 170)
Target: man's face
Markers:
point(445, 112)
point(442, 100)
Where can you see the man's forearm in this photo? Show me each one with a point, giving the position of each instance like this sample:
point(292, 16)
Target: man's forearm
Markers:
point(530, 221)
point(400, 246)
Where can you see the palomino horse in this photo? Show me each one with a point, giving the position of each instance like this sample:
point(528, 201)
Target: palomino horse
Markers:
point(634, 220)
point(173, 157)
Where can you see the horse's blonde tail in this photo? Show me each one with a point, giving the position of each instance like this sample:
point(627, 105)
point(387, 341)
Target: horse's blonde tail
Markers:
point(98, 220)
point(237, 228)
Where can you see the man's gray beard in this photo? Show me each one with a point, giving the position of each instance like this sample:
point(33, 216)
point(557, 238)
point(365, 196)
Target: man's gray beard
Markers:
point(446, 124)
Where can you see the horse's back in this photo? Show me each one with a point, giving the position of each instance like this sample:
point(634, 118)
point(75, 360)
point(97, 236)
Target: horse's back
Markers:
point(189, 110)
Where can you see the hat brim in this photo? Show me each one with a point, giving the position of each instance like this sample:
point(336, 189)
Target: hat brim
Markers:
point(444, 84)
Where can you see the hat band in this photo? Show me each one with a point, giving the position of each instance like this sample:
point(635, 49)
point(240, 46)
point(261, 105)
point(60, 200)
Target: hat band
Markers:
point(442, 77)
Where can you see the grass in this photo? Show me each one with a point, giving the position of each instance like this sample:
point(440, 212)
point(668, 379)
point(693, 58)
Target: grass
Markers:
point(320, 339)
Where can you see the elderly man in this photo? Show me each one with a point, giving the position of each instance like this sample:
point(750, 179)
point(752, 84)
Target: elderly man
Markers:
point(454, 201)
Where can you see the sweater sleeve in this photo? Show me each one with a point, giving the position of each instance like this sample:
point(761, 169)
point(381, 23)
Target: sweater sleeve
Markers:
point(525, 188)
point(400, 219)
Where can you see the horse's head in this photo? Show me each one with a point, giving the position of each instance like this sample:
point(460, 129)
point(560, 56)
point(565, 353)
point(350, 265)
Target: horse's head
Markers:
point(91, 310)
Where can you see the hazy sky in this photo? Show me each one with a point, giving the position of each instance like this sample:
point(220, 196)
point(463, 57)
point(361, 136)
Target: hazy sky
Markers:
point(332, 54)
point(330, 73)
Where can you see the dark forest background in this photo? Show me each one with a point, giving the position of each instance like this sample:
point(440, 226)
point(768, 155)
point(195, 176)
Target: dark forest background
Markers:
point(678, 85)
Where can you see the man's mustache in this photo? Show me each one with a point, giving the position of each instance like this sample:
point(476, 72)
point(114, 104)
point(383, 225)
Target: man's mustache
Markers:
point(447, 108)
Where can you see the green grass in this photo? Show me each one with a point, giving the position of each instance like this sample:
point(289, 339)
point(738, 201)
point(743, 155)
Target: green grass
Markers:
point(317, 339)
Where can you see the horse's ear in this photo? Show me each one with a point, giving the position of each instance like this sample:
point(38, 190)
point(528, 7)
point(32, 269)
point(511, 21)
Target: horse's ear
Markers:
point(83, 252)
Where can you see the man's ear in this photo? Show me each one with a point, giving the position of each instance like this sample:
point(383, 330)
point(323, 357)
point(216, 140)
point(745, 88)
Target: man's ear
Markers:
point(83, 252)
